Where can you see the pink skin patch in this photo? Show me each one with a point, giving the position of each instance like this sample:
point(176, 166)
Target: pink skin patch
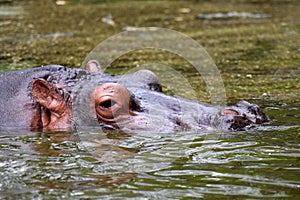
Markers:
point(230, 112)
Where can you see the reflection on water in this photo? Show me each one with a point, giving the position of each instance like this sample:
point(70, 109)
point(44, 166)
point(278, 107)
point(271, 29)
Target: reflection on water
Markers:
point(11, 10)
point(54, 35)
point(233, 14)
point(262, 162)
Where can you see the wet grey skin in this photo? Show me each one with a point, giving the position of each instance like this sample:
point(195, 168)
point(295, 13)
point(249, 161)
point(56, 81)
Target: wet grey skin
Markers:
point(148, 109)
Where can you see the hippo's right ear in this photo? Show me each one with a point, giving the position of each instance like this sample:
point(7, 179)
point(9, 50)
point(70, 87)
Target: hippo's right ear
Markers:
point(45, 94)
point(94, 67)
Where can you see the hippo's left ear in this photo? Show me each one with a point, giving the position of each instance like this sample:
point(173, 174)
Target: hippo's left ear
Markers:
point(46, 94)
point(94, 66)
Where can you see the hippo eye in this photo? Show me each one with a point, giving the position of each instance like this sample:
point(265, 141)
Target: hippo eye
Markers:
point(107, 104)
point(111, 101)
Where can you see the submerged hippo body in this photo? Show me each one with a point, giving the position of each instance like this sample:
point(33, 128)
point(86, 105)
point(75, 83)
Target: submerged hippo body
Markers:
point(57, 98)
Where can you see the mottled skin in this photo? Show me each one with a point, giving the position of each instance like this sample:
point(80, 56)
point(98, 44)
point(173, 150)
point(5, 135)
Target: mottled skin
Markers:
point(54, 98)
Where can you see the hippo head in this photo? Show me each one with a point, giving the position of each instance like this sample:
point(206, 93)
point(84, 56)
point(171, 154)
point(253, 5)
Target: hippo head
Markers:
point(132, 102)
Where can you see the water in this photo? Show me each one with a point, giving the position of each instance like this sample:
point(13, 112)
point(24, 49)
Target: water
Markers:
point(260, 163)
point(258, 58)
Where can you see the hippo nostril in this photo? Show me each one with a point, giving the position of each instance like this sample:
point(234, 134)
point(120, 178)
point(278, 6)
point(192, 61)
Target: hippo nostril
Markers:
point(107, 104)
point(254, 109)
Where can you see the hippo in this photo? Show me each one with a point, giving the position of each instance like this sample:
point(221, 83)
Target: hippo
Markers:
point(56, 98)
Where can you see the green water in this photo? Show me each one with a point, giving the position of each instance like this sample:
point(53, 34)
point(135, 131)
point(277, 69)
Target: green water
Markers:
point(258, 59)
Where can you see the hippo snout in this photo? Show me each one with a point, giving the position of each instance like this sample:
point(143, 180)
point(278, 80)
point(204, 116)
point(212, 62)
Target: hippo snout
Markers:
point(244, 114)
point(253, 112)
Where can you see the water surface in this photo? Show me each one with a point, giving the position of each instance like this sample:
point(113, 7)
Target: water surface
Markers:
point(260, 163)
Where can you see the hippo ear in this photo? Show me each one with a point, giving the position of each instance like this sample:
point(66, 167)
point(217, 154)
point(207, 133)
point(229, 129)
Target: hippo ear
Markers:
point(45, 94)
point(149, 78)
point(94, 67)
